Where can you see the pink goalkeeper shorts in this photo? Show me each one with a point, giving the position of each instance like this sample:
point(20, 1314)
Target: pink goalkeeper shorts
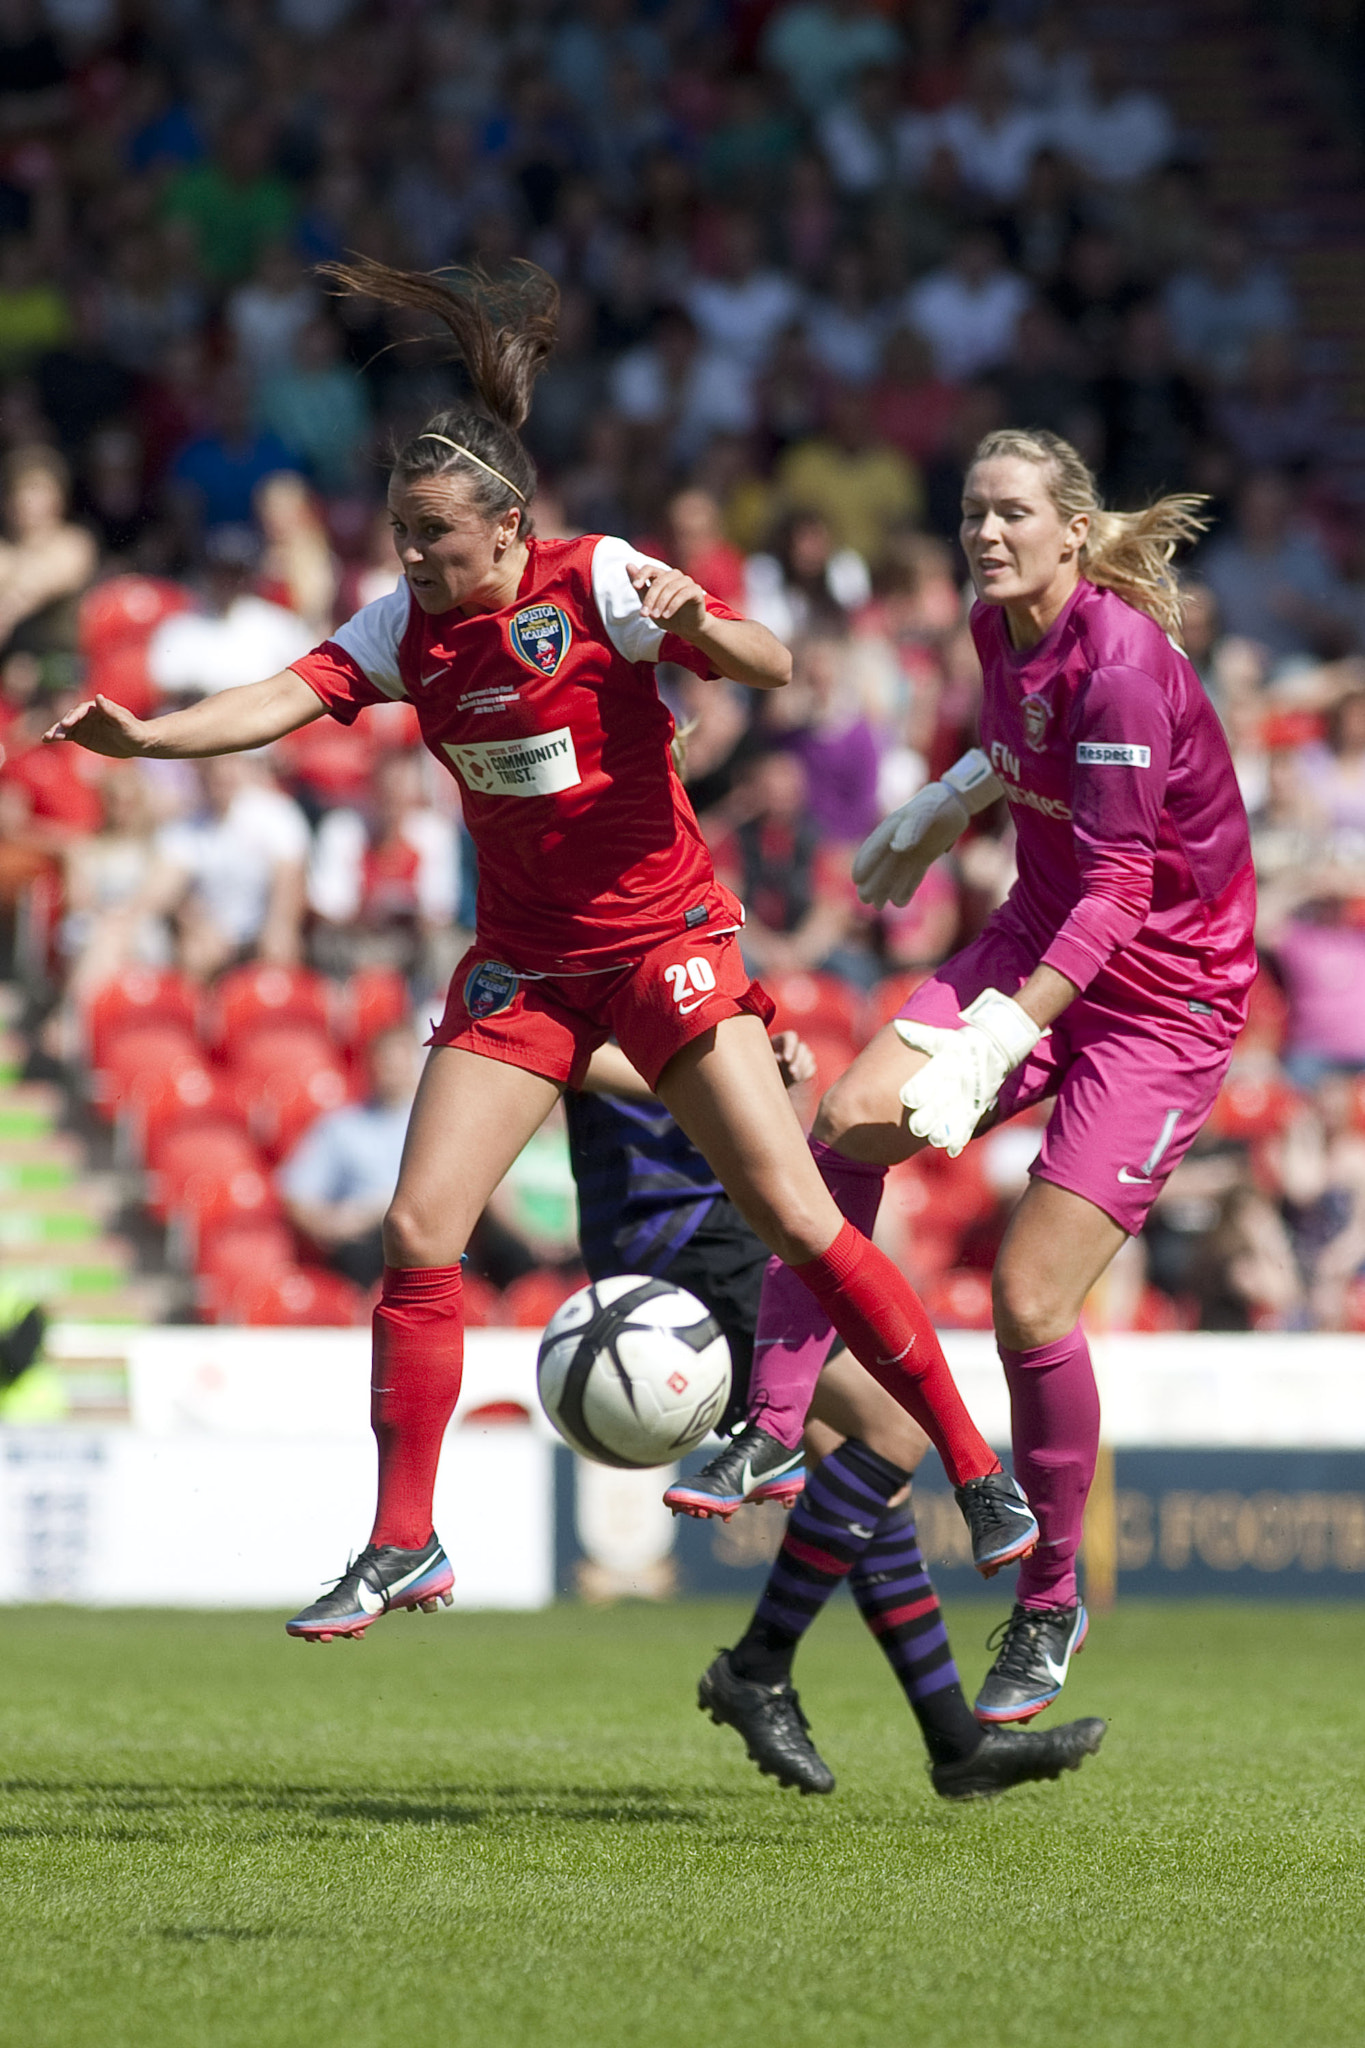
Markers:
point(1132, 1089)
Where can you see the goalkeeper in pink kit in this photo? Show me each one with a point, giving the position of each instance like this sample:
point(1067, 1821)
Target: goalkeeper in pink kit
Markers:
point(1113, 981)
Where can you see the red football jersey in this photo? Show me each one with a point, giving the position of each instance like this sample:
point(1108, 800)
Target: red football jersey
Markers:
point(547, 714)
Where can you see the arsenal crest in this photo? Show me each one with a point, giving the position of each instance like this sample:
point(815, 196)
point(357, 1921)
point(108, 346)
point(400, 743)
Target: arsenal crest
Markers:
point(489, 988)
point(540, 634)
point(1035, 713)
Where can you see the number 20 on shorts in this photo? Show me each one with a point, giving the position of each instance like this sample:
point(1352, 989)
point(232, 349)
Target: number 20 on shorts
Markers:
point(691, 982)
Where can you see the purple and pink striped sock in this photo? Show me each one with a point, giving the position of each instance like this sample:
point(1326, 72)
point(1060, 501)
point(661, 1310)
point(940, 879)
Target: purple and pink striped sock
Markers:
point(891, 1585)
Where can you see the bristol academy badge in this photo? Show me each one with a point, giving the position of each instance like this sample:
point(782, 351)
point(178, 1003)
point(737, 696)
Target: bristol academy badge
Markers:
point(1035, 713)
point(540, 634)
point(489, 988)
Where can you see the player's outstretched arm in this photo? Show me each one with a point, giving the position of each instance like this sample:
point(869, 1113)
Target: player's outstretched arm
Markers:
point(738, 648)
point(229, 723)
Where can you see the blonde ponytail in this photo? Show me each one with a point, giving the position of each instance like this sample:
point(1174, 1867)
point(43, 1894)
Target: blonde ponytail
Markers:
point(1129, 553)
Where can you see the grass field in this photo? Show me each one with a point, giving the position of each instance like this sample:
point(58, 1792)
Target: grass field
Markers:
point(506, 1830)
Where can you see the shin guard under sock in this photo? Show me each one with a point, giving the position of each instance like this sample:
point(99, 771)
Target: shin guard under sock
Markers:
point(1055, 1406)
point(891, 1586)
point(831, 1525)
point(883, 1322)
point(794, 1334)
point(415, 1383)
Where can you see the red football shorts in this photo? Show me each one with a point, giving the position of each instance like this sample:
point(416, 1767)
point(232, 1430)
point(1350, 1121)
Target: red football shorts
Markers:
point(553, 1026)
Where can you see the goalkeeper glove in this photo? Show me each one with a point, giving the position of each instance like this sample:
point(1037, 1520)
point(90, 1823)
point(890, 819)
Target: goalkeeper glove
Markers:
point(892, 861)
point(967, 1067)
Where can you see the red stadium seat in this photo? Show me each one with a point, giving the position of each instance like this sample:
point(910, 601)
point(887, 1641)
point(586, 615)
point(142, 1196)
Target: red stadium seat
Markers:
point(288, 1103)
point(532, 1300)
point(1252, 1106)
point(961, 1300)
point(816, 1003)
point(239, 1255)
point(375, 998)
point(136, 997)
point(250, 999)
point(208, 1200)
point(301, 1297)
point(886, 1000)
point(180, 1100)
point(484, 1307)
point(136, 1062)
point(190, 1154)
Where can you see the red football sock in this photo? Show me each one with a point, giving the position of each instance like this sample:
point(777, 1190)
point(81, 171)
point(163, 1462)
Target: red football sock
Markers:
point(418, 1360)
point(882, 1320)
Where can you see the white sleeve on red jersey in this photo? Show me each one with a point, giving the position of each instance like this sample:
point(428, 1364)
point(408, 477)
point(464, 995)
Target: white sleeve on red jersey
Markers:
point(634, 637)
point(373, 636)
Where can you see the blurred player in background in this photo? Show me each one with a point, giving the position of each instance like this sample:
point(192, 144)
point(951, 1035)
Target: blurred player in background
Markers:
point(530, 666)
point(649, 1203)
point(1113, 979)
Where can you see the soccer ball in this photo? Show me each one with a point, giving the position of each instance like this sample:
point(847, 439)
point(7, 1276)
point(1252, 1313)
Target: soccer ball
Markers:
point(633, 1372)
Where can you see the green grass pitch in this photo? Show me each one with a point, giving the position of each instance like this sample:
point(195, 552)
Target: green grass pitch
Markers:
point(499, 1829)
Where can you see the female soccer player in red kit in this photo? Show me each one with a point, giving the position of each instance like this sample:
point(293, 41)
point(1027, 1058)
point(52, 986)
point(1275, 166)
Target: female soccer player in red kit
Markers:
point(529, 664)
point(1114, 980)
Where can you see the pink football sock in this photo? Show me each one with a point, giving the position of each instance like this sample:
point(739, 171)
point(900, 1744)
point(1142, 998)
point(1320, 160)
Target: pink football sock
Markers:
point(794, 1333)
point(1056, 1409)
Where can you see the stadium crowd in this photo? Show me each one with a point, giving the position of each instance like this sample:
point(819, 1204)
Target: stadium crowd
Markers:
point(809, 252)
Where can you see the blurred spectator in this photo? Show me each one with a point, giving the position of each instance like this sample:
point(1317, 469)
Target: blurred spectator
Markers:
point(1272, 582)
point(338, 1181)
point(685, 395)
point(234, 637)
point(1218, 308)
point(1041, 382)
point(234, 204)
point(147, 304)
point(1310, 920)
point(217, 472)
point(108, 925)
point(694, 540)
point(267, 314)
point(1333, 773)
point(317, 408)
point(80, 385)
point(34, 313)
point(830, 735)
point(383, 882)
point(844, 328)
point(1271, 417)
point(1094, 295)
point(232, 877)
point(1151, 412)
point(968, 311)
point(718, 741)
point(1319, 1165)
point(571, 389)
point(860, 486)
point(298, 570)
point(802, 911)
point(819, 49)
point(913, 406)
point(1113, 131)
point(113, 500)
point(1244, 1275)
point(1287, 827)
point(859, 135)
point(738, 304)
point(45, 561)
point(992, 136)
point(805, 583)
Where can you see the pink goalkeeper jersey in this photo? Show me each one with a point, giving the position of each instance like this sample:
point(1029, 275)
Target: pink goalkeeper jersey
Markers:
point(1135, 877)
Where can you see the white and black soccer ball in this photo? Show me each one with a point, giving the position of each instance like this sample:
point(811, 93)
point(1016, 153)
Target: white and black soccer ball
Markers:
point(633, 1371)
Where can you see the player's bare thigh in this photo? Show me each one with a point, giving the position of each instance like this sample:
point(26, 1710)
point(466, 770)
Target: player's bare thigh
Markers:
point(1054, 1250)
point(725, 1091)
point(470, 1119)
point(862, 1115)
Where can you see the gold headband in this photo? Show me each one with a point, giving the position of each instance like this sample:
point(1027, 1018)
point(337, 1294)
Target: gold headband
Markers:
point(472, 457)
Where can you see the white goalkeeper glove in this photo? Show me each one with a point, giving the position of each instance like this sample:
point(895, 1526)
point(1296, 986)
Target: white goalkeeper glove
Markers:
point(892, 861)
point(967, 1067)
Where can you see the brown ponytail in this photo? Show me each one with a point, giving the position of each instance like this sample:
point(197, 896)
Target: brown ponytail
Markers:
point(503, 332)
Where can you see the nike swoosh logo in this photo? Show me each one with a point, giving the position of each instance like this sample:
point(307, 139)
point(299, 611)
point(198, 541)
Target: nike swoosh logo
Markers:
point(857, 1530)
point(1140, 1180)
point(435, 676)
point(1056, 1672)
point(370, 1601)
point(686, 1009)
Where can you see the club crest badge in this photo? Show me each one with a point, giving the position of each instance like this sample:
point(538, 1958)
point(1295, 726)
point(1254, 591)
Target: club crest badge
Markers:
point(1035, 713)
point(489, 988)
point(540, 634)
